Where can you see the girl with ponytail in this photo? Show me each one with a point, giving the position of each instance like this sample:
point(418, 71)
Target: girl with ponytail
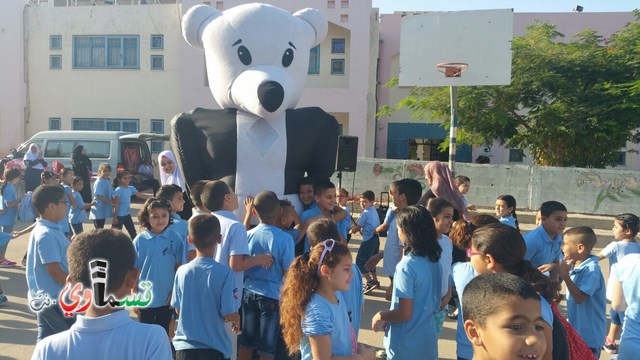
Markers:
point(313, 313)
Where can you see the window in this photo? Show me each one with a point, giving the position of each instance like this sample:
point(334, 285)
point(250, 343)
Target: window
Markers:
point(157, 62)
point(64, 148)
point(344, 18)
point(157, 127)
point(219, 5)
point(344, 4)
point(314, 61)
point(622, 158)
point(516, 155)
point(106, 52)
point(157, 42)
point(54, 124)
point(55, 42)
point(331, 4)
point(337, 66)
point(337, 46)
point(55, 61)
point(128, 125)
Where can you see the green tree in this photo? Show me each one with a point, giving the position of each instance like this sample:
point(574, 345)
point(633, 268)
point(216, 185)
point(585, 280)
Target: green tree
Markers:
point(570, 103)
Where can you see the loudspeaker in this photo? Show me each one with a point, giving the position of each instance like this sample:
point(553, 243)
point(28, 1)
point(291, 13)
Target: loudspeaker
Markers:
point(347, 153)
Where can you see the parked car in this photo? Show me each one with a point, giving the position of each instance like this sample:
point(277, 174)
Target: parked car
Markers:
point(122, 150)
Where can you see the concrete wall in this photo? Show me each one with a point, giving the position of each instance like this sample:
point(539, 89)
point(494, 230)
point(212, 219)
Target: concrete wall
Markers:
point(13, 84)
point(591, 191)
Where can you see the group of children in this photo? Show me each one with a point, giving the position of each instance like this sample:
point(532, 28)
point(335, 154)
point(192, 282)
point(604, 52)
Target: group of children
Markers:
point(290, 285)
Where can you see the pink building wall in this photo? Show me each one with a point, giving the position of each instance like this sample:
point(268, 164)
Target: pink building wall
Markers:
point(568, 24)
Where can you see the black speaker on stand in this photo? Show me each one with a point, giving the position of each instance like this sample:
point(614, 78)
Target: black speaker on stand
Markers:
point(347, 159)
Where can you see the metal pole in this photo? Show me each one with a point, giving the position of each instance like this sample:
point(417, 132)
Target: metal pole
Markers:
point(453, 128)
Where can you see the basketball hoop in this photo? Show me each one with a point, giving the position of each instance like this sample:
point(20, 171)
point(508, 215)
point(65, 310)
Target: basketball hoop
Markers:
point(452, 69)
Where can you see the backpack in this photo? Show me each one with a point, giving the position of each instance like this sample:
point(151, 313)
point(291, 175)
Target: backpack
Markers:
point(26, 211)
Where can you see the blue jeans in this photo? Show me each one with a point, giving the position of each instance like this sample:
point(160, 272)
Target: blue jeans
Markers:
point(8, 229)
point(77, 228)
point(367, 249)
point(51, 321)
point(617, 317)
point(260, 323)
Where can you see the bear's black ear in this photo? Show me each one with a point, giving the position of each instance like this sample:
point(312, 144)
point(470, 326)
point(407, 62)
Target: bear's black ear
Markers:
point(195, 21)
point(318, 22)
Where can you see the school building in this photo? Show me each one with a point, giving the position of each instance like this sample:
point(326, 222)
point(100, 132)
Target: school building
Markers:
point(123, 65)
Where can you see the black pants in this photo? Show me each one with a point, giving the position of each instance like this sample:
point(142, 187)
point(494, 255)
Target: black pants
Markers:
point(127, 222)
point(158, 315)
point(199, 354)
point(99, 223)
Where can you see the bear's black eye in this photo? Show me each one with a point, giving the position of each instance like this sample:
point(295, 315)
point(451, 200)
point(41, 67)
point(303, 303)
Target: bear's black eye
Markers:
point(287, 58)
point(244, 55)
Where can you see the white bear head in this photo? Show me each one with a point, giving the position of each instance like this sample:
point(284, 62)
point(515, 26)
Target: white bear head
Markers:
point(257, 55)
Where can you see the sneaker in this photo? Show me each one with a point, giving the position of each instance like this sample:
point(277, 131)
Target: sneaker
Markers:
point(452, 314)
point(3, 299)
point(5, 263)
point(610, 346)
point(371, 285)
point(381, 355)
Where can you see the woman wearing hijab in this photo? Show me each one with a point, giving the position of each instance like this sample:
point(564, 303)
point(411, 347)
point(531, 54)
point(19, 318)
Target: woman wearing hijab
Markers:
point(441, 185)
point(170, 174)
point(34, 163)
point(82, 168)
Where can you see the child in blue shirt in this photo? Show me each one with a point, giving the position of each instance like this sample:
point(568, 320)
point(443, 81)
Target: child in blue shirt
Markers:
point(544, 242)
point(102, 196)
point(160, 252)
point(260, 305)
point(625, 229)
point(326, 206)
point(345, 226)
point(78, 213)
point(370, 245)
point(416, 290)
point(175, 196)
point(122, 202)
point(586, 301)
point(626, 298)
point(313, 307)
point(105, 331)
point(506, 210)
point(201, 331)
point(9, 206)
point(288, 216)
point(47, 266)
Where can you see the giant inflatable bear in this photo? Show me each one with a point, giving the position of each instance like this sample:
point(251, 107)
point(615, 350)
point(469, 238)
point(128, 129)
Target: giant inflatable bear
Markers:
point(257, 58)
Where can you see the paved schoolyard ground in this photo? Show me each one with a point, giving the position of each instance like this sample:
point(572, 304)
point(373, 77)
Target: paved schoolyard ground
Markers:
point(18, 325)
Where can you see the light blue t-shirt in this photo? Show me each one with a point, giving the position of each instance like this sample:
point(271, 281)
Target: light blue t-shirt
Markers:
point(9, 195)
point(321, 317)
point(541, 249)
point(201, 324)
point(369, 221)
point(392, 249)
point(589, 318)
point(268, 239)
point(616, 250)
point(390, 216)
point(345, 225)
point(77, 215)
point(125, 194)
point(181, 227)
point(234, 242)
point(462, 273)
point(419, 279)
point(158, 257)
point(64, 223)
point(47, 244)
point(628, 273)
point(354, 298)
point(102, 210)
point(509, 220)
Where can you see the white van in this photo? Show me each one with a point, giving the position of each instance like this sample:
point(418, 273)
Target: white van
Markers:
point(122, 150)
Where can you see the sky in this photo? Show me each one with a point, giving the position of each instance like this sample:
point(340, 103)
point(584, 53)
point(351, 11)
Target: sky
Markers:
point(389, 6)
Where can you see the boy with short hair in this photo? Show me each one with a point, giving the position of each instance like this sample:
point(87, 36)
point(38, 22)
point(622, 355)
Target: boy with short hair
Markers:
point(195, 191)
point(260, 304)
point(47, 266)
point(368, 222)
point(493, 304)
point(586, 301)
point(343, 198)
point(326, 206)
point(174, 195)
point(463, 183)
point(306, 194)
point(95, 332)
point(324, 229)
point(233, 251)
point(287, 217)
point(201, 329)
point(544, 242)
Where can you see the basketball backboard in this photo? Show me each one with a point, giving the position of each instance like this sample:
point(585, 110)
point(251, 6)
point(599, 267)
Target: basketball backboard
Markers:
point(480, 38)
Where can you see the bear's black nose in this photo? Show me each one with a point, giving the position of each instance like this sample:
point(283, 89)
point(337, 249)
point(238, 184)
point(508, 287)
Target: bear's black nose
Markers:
point(270, 94)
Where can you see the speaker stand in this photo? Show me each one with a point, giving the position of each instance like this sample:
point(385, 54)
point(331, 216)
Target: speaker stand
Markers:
point(339, 176)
